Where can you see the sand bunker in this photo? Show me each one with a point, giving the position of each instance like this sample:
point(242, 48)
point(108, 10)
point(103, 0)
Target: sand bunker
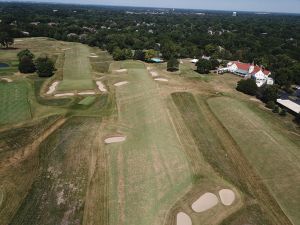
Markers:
point(183, 219)
point(148, 68)
point(52, 88)
point(7, 80)
point(64, 94)
point(87, 93)
point(121, 83)
point(205, 202)
point(101, 86)
point(65, 49)
point(121, 71)
point(227, 196)
point(114, 139)
point(94, 56)
point(154, 74)
point(161, 79)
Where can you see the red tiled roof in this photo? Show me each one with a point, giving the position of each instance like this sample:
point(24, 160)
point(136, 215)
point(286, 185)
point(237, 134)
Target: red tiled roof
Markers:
point(255, 70)
point(267, 72)
point(242, 66)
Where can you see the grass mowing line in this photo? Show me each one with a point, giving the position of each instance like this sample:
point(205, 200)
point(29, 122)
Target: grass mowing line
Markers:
point(263, 155)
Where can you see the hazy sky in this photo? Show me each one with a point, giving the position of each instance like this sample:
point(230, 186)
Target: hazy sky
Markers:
point(245, 5)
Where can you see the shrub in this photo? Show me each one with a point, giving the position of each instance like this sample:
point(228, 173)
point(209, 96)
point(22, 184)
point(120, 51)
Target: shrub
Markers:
point(276, 109)
point(26, 65)
point(282, 112)
point(270, 104)
point(173, 65)
point(247, 86)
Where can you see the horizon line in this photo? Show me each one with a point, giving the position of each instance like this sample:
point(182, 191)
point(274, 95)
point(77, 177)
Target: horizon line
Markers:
point(153, 7)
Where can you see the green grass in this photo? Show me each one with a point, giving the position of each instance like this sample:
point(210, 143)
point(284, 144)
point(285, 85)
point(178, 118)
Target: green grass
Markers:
point(87, 101)
point(149, 171)
point(14, 102)
point(273, 154)
point(77, 69)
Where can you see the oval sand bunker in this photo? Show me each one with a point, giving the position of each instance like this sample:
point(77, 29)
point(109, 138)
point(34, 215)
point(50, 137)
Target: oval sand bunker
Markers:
point(227, 196)
point(161, 79)
point(114, 139)
point(205, 202)
point(183, 219)
point(121, 83)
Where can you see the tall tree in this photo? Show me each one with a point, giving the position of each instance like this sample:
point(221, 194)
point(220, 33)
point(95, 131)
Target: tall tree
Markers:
point(203, 66)
point(6, 39)
point(44, 67)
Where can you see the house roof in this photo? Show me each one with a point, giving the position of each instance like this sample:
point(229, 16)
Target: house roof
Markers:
point(242, 66)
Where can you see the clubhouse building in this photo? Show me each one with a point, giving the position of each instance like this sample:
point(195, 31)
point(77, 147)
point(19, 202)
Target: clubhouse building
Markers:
point(247, 70)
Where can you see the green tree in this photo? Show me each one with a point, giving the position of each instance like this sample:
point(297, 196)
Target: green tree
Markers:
point(276, 109)
point(270, 93)
point(26, 65)
point(203, 66)
point(270, 104)
point(6, 39)
point(151, 53)
point(44, 67)
point(214, 63)
point(26, 53)
point(139, 55)
point(247, 86)
point(282, 112)
point(173, 64)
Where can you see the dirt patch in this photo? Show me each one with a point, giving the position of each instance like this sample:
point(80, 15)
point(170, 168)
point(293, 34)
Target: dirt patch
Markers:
point(154, 74)
point(60, 198)
point(115, 139)
point(52, 88)
point(205, 202)
point(64, 94)
point(101, 86)
point(65, 49)
point(121, 83)
point(7, 80)
point(161, 79)
point(183, 219)
point(86, 93)
point(227, 196)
